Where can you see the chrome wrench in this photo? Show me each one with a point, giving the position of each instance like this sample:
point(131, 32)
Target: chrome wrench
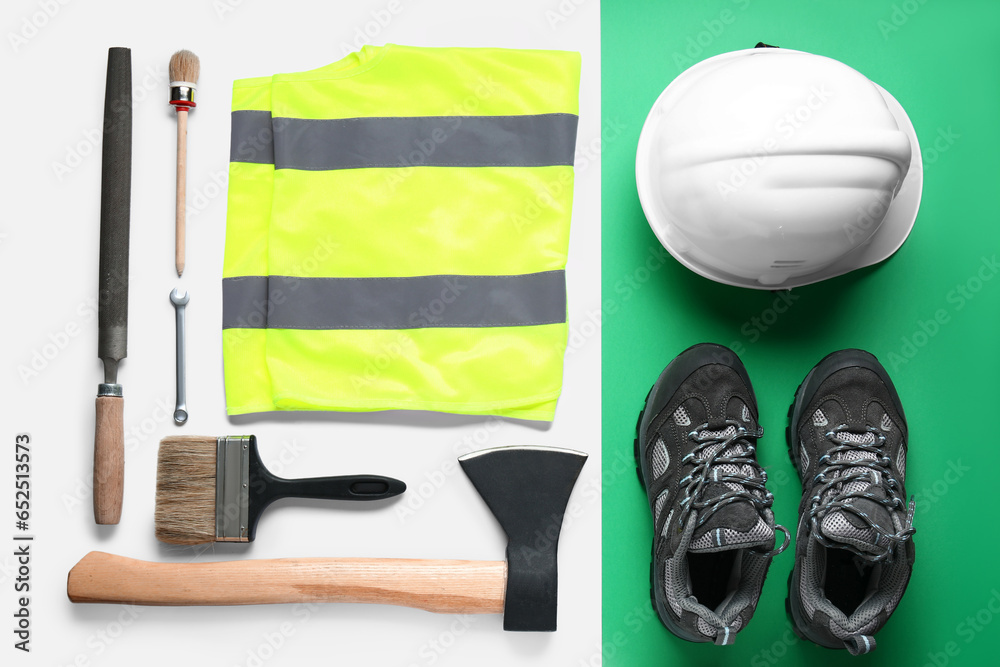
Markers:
point(180, 301)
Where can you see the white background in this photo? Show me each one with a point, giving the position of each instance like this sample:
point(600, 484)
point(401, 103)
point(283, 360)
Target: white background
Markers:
point(55, 54)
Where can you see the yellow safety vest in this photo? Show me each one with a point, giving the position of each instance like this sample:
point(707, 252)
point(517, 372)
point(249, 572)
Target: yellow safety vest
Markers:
point(397, 233)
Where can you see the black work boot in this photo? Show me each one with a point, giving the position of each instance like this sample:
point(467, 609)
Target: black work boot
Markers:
point(853, 549)
point(714, 531)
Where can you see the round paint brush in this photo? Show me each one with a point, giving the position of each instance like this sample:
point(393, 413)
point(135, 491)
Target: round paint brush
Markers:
point(184, 70)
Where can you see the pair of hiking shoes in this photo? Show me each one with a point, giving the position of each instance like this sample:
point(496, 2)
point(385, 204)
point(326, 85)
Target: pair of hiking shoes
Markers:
point(715, 532)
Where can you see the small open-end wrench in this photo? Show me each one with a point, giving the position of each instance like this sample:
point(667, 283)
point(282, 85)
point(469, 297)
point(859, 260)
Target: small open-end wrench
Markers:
point(180, 300)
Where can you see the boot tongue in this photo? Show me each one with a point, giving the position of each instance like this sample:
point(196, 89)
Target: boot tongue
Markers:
point(736, 525)
point(845, 526)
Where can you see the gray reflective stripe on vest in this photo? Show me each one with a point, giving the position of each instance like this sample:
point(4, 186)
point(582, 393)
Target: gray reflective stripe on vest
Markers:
point(251, 138)
point(435, 141)
point(282, 302)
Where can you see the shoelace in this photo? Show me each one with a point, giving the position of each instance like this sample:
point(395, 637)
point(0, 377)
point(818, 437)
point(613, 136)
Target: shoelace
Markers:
point(840, 499)
point(751, 487)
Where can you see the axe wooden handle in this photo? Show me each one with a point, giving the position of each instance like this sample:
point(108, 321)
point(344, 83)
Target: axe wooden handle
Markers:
point(442, 586)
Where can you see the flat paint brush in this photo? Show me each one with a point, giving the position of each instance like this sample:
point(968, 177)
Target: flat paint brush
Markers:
point(214, 489)
point(184, 70)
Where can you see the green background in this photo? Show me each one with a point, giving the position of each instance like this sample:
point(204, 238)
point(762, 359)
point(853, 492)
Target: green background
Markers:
point(941, 60)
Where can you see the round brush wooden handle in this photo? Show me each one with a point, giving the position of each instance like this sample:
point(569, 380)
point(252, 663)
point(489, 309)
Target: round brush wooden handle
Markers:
point(182, 118)
point(442, 586)
point(109, 459)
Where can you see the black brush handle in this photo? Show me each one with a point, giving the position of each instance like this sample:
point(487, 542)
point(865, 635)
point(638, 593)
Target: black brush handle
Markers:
point(265, 488)
point(344, 487)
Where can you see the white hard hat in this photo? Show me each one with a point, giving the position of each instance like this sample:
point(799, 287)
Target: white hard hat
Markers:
point(771, 168)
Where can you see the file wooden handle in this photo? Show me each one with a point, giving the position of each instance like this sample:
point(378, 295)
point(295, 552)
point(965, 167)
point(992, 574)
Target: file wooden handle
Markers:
point(109, 459)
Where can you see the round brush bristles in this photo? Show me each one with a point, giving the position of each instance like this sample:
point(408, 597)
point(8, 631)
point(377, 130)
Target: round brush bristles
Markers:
point(185, 490)
point(184, 67)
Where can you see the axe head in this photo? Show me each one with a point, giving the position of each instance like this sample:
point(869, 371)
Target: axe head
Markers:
point(527, 489)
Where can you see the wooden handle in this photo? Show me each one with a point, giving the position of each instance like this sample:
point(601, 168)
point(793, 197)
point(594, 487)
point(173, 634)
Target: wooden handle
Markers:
point(182, 116)
point(441, 586)
point(109, 459)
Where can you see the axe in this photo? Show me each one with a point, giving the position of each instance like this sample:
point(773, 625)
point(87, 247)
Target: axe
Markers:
point(526, 488)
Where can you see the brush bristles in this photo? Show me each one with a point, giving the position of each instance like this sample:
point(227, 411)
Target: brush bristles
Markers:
point(185, 490)
point(184, 66)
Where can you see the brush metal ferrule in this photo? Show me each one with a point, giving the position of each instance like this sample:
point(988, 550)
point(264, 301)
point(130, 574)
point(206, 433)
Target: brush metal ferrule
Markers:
point(232, 492)
point(182, 93)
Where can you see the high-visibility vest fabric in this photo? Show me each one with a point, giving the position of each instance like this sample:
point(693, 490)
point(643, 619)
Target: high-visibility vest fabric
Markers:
point(397, 233)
